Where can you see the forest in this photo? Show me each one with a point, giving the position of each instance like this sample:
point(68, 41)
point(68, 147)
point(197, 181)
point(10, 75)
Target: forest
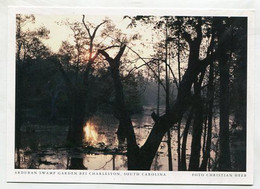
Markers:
point(161, 93)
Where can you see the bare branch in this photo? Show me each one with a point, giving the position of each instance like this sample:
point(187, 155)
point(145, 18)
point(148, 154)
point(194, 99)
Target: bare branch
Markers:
point(88, 30)
point(120, 53)
point(110, 47)
point(97, 53)
point(94, 33)
point(135, 68)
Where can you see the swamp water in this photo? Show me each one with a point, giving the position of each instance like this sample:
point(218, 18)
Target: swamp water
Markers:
point(42, 147)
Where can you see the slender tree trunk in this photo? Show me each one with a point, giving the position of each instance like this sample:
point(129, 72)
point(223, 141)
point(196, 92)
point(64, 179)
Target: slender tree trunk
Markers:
point(53, 105)
point(19, 92)
point(179, 144)
point(197, 125)
point(19, 104)
point(205, 129)
point(158, 91)
point(179, 77)
point(18, 39)
point(183, 166)
point(167, 101)
point(196, 134)
point(169, 149)
point(114, 162)
point(18, 118)
point(210, 97)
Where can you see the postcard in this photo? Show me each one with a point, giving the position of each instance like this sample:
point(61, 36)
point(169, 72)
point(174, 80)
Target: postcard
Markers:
point(151, 96)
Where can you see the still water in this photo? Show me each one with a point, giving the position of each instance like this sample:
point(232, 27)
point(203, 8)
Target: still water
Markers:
point(44, 148)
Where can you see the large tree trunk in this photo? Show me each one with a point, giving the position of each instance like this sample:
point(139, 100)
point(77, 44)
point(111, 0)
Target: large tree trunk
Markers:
point(142, 158)
point(19, 97)
point(125, 129)
point(75, 134)
point(76, 163)
point(79, 98)
point(164, 122)
point(224, 53)
point(240, 94)
point(241, 114)
point(224, 142)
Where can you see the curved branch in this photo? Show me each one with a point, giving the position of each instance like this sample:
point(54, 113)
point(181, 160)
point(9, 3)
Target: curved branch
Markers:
point(95, 30)
point(120, 53)
point(105, 54)
point(97, 53)
point(85, 25)
point(91, 36)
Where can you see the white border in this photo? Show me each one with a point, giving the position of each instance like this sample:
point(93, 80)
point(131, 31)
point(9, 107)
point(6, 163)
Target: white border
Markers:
point(177, 177)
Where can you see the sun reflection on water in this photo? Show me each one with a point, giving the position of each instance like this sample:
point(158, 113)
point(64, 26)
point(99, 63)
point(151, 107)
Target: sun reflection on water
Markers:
point(92, 136)
point(90, 133)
